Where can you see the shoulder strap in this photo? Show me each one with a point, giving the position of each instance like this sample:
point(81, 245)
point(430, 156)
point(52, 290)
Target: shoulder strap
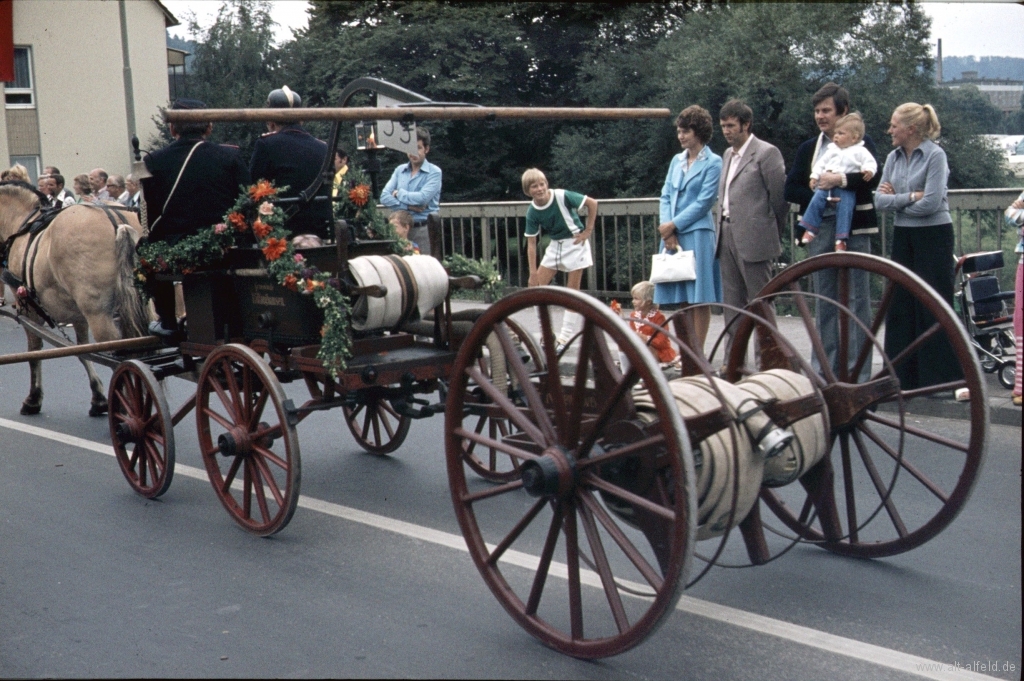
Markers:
point(560, 201)
point(176, 181)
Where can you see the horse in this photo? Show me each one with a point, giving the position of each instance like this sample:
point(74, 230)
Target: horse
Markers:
point(76, 270)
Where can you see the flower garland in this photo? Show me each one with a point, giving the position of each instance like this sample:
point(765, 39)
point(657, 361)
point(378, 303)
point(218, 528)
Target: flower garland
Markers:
point(255, 220)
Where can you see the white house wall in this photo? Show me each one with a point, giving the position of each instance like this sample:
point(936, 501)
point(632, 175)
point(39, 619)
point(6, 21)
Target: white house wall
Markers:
point(79, 79)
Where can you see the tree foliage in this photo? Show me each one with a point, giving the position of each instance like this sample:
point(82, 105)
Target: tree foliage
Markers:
point(665, 54)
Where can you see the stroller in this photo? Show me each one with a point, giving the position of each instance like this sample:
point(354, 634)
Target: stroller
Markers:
point(985, 314)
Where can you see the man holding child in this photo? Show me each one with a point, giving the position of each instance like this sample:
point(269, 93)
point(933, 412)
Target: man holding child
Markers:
point(831, 103)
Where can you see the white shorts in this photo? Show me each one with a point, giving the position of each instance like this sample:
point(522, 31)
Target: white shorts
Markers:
point(565, 256)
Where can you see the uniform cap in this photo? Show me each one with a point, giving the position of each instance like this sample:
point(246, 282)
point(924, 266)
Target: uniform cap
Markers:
point(188, 104)
point(283, 98)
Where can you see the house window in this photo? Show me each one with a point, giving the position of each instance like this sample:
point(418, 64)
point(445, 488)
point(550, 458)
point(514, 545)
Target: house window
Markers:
point(18, 93)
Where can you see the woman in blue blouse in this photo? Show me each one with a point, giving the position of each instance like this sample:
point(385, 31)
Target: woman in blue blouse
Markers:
point(689, 194)
point(913, 187)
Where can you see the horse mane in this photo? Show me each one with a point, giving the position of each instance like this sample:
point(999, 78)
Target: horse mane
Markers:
point(23, 186)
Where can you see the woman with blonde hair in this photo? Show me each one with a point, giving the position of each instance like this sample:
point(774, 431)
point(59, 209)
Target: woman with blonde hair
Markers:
point(15, 172)
point(913, 188)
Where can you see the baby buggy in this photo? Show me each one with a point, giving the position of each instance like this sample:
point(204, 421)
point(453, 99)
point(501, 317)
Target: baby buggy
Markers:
point(987, 313)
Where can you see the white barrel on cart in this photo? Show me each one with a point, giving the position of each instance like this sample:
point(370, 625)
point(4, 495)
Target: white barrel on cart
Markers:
point(415, 285)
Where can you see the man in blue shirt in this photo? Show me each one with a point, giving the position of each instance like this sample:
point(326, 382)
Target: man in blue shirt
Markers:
point(416, 187)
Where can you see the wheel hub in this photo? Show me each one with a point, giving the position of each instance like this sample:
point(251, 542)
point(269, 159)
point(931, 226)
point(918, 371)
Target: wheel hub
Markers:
point(128, 431)
point(553, 474)
point(235, 442)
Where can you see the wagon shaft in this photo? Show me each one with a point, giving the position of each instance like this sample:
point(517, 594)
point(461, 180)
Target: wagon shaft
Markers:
point(76, 350)
point(409, 114)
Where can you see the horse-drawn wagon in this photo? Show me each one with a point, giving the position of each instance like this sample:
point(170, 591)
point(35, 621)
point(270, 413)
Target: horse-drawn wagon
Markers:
point(624, 470)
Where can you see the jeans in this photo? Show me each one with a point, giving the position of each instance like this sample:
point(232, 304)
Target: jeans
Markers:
point(844, 212)
point(826, 284)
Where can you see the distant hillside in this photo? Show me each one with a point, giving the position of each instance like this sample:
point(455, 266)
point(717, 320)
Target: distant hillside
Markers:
point(182, 44)
point(987, 67)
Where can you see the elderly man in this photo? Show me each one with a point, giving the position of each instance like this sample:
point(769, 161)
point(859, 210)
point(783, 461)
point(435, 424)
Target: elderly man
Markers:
point(416, 187)
point(831, 103)
point(134, 191)
point(751, 211)
point(98, 182)
point(289, 156)
point(193, 184)
point(117, 189)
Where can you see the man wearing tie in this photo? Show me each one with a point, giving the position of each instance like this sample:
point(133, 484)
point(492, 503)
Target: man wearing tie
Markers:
point(751, 211)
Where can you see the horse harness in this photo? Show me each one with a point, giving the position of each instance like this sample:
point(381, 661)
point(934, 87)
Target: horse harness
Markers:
point(35, 224)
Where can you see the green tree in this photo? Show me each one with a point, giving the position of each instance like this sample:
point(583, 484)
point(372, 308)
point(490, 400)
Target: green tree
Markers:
point(235, 66)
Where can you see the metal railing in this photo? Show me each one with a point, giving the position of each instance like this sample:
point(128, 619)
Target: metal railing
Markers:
point(625, 236)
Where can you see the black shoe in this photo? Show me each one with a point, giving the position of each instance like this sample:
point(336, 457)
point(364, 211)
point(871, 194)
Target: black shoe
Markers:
point(168, 336)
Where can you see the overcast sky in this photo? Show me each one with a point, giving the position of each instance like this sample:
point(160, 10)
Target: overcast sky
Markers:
point(982, 29)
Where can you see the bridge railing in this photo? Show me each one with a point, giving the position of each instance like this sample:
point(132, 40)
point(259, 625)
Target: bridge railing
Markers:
point(625, 236)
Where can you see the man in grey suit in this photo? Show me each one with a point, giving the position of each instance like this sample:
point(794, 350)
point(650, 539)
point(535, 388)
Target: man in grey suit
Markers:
point(751, 209)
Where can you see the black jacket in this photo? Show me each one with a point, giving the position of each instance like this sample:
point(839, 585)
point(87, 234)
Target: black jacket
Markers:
point(208, 187)
point(292, 157)
point(798, 190)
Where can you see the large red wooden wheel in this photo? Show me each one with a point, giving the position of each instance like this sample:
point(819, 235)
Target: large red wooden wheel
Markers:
point(247, 439)
point(610, 494)
point(889, 484)
point(140, 428)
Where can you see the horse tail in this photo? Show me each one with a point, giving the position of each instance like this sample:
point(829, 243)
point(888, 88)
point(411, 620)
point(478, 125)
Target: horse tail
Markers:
point(133, 318)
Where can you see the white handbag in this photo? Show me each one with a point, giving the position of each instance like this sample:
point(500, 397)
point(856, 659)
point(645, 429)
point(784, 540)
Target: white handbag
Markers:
point(669, 267)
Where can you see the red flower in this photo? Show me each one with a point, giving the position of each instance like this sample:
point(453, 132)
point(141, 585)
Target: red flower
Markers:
point(275, 248)
point(359, 195)
point(238, 220)
point(290, 282)
point(616, 307)
point(261, 229)
point(261, 189)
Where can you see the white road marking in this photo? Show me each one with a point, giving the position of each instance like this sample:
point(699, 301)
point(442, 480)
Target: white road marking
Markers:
point(884, 657)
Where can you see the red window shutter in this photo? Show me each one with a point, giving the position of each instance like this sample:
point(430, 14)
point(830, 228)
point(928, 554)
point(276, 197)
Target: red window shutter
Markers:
point(6, 40)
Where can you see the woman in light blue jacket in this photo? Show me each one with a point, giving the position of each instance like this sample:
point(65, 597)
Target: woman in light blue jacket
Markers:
point(689, 195)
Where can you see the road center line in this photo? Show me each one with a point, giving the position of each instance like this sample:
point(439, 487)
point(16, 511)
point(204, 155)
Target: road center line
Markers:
point(884, 657)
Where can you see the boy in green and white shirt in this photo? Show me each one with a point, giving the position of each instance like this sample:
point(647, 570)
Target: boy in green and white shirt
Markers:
point(556, 212)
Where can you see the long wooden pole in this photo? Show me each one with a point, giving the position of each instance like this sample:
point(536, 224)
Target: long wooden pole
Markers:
point(409, 114)
point(86, 349)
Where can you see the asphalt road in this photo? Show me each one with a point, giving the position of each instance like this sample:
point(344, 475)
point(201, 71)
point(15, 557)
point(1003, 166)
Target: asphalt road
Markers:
point(369, 580)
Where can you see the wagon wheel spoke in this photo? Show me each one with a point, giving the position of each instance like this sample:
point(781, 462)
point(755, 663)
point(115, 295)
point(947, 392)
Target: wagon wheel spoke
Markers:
point(620, 452)
point(906, 465)
point(611, 590)
point(537, 590)
point(952, 386)
point(843, 277)
point(511, 411)
point(628, 547)
point(516, 531)
point(629, 497)
point(851, 505)
point(553, 378)
point(579, 393)
point(913, 430)
point(229, 478)
point(257, 410)
point(812, 331)
point(259, 487)
point(916, 344)
point(876, 324)
point(217, 417)
point(572, 556)
point(876, 480)
point(511, 450)
point(533, 399)
point(382, 415)
point(491, 492)
point(247, 488)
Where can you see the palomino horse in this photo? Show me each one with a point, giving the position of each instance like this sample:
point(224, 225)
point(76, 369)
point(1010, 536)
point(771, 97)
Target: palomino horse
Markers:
point(80, 271)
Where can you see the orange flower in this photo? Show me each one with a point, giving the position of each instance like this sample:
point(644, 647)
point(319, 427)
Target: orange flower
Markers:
point(261, 189)
point(309, 285)
point(275, 248)
point(359, 195)
point(290, 281)
point(616, 307)
point(238, 220)
point(261, 229)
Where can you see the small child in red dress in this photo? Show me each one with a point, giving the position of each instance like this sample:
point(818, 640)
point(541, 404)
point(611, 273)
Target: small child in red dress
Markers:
point(644, 310)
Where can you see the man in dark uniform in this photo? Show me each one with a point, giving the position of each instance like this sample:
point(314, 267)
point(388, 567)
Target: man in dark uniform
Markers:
point(193, 183)
point(288, 155)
